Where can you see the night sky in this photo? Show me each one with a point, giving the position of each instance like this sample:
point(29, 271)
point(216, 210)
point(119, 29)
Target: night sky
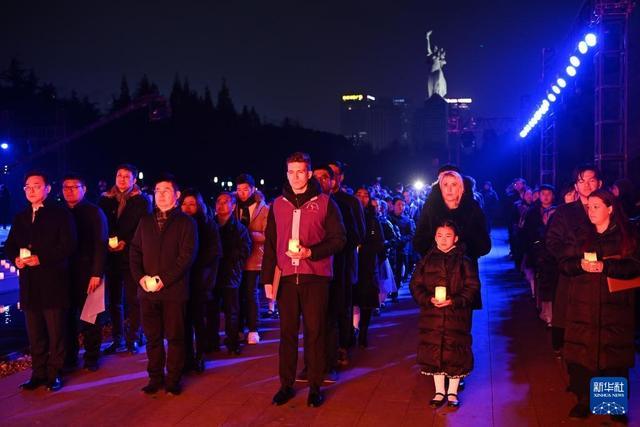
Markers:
point(289, 58)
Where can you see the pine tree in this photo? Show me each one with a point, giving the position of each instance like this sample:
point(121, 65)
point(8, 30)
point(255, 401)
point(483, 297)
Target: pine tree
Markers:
point(124, 98)
point(144, 87)
point(225, 106)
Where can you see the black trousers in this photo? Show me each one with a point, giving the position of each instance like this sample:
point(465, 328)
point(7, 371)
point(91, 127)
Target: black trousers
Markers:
point(580, 378)
point(91, 336)
point(117, 281)
point(225, 299)
point(249, 301)
point(164, 320)
point(195, 322)
point(311, 300)
point(45, 329)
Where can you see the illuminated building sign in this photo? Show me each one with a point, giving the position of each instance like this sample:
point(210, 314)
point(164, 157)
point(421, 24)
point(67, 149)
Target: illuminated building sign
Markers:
point(358, 97)
point(458, 100)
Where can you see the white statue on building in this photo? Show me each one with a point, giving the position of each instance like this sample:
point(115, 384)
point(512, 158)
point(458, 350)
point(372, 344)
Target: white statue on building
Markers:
point(436, 83)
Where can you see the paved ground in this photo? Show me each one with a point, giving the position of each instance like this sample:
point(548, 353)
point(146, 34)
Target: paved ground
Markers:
point(516, 381)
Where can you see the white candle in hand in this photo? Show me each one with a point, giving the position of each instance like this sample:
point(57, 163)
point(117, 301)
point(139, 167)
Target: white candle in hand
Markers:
point(294, 245)
point(113, 242)
point(441, 293)
point(152, 284)
point(25, 253)
point(590, 256)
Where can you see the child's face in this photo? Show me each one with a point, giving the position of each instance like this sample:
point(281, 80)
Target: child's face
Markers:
point(445, 238)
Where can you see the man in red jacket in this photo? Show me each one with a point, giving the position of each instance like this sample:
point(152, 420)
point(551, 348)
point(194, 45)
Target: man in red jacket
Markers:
point(304, 230)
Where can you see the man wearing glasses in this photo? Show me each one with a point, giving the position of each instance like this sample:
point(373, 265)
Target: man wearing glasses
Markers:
point(87, 268)
point(40, 243)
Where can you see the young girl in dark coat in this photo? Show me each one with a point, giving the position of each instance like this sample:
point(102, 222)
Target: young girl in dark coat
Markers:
point(444, 349)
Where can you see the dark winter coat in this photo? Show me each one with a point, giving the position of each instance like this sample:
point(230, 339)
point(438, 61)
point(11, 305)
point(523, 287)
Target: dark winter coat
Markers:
point(372, 250)
point(90, 257)
point(538, 257)
point(568, 229)
point(236, 247)
point(346, 261)
point(407, 229)
point(600, 325)
point(204, 271)
point(167, 253)
point(52, 237)
point(445, 333)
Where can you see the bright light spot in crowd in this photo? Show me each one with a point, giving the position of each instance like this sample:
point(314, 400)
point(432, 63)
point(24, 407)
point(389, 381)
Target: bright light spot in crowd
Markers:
point(215, 179)
point(590, 39)
point(562, 82)
point(571, 71)
point(582, 47)
point(4, 146)
point(229, 184)
point(222, 183)
point(555, 89)
point(262, 182)
point(574, 61)
point(418, 184)
point(551, 97)
point(140, 175)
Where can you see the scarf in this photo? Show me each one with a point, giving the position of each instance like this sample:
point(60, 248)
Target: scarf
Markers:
point(122, 198)
point(243, 207)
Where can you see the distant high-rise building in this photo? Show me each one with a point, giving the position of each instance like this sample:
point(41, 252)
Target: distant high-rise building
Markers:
point(379, 123)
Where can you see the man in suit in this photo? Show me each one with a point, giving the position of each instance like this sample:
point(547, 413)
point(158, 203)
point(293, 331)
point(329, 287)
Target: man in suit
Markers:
point(87, 269)
point(162, 252)
point(41, 241)
point(123, 206)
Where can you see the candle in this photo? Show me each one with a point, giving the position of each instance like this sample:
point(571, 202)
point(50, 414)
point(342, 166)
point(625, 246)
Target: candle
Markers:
point(590, 256)
point(441, 293)
point(152, 284)
point(25, 253)
point(12, 269)
point(113, 242)
point(294, 245)
point(1, 276)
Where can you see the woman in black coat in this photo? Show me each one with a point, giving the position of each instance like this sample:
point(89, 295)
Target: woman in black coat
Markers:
point(367, 290)
point(445, 326)
point(202, 278)
point(600, 324)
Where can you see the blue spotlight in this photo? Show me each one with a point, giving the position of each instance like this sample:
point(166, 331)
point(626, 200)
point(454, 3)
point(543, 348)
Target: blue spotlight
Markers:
point(571, 71)
point(4, 146)
point(582, 47)
point(523, 134)
point(562, 82)
point(590, 39)
point(574, 61)
point(551, 97)
point(555, 89)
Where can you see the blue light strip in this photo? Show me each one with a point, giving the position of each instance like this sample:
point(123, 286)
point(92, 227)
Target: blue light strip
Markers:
point(557, 86)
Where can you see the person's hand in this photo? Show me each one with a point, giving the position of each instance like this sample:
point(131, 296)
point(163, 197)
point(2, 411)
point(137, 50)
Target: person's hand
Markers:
point(119, 248)
point(143, 283)
point(19, 263)
point(31, 261)
point(94, 283)
point(440, 304)
point(159, 281)
point(268, 291)
point(591, 266)
point(302, 254)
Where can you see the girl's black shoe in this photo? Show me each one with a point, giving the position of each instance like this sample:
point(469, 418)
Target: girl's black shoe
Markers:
point(453, 403)
point(436, 403)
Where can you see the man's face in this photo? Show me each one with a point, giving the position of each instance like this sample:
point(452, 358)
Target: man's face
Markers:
point(189, 205)
point(398, 207)
point(36, 190)
point(338, 177)
point(224, 205)
point(546, 198)
point(407, 197)
point(244, 191)
point(124, 180)
point(587, 183)
point(73, 191)
point(324, 179)
point(165, 195)
point(298, 175)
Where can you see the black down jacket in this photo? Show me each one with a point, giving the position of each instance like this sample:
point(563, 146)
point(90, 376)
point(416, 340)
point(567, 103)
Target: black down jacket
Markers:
point(445, 333)
point(600, 325)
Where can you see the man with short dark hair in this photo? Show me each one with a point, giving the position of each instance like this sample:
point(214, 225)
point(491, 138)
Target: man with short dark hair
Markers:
point(123, 206)
point(40, 243)
point(87, 269)
point(162, 252)
point(304, 230)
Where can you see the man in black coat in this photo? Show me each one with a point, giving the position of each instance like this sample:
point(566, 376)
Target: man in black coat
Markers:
point(162, 252)
point(236, 247)
point(123, 205)
point(41, 240)
point(87, 269)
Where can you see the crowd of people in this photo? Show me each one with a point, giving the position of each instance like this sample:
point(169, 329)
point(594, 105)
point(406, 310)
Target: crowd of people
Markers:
point(169, 266)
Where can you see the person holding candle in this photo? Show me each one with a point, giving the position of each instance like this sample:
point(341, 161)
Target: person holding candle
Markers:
point(87, 269)
point(599, 333)
point(444, 284)
point(161, 254)
point(48, 232)
point(305, 214)
point(123, 206)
